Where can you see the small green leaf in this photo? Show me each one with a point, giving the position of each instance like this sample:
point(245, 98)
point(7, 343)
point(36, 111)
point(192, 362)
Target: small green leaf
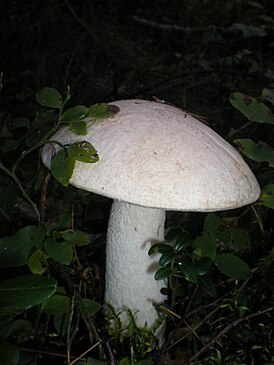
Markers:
point(268, 94)
point(178, 236)
point(236, 238)
point(161, 248)
point(25, 291)
point(102, 111)
point(49, 97)
point(267, 196)
point(75, 237)
point(15, 250)
point(38, 263)
point(83, 151)
point(9, 354)
point(259, 152)
point(62, 165)
point(205, 245)
point(232, 266)
point(162, 273)
point(90, 306)
point(203, 266)
point(61, 252)
point(74, 114)
point(253, 109)
point(212, 223)
point(79, 127)
point(166, 258)
point(57, 304)
point(187, 271)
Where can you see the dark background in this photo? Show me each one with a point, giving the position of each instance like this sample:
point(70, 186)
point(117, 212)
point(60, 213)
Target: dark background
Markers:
point(190, 53)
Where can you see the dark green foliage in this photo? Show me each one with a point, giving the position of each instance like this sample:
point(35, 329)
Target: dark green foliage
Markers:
point(219, 267)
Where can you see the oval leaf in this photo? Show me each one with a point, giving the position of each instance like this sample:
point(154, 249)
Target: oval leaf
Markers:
point(37, 263)
point(253, 109)
point(49, 97)
point(268, 94)
point(75, 237)
point(57, 304)
point(74, 114)
point(26, 291)
point(62, 165)
point(162, 273)
point(61, 252)
point(267, 196)
point(79, 127)
point(232, 266)
point(15, 250)
point(83, 151)
point(188, 271)
point(90, 306)
point(102, 111)
point(260, 152)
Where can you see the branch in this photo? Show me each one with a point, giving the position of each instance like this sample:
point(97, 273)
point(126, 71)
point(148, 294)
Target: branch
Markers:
point(225, 330)
point(173, 27)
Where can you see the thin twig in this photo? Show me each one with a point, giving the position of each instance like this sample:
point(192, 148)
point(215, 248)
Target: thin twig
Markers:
point(83, 354)
point(224, 331)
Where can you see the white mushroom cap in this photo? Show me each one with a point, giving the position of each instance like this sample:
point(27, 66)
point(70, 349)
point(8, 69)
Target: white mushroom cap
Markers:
point(156, 155)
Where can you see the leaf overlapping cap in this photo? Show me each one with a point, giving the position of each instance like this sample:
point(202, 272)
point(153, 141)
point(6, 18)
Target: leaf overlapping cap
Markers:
point(157, 155)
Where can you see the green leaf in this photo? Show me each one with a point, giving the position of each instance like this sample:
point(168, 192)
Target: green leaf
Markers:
point(61, 252)
point(232, 266)
point(253, 109)
point(62, 165)
point(187, 271)
point(38, 263)
point(267, 196)
point(259, 152)
point(178, 237)
point(237, 238)
point(166, 258)
point(102, 111)
point(9, 353)
point(49, 97)
point(75, 237)
point(90, 306)
point(268, 94)
point(74, 114)
point(212, 223)
point(162, 273)
point(83, 151)
point(15, 250)
point(205, 245)
point(161, 248)
point(79, 128)
point(63, 162)
point(25, 291)
point(57, 304)
point(203, 266)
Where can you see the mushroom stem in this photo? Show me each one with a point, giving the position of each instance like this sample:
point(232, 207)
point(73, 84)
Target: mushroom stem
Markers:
point(129, 269)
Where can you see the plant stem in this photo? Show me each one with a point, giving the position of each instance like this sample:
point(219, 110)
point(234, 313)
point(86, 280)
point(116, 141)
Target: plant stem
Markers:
point(24, 193)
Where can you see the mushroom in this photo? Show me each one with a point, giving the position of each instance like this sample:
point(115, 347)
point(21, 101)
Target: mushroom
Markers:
point(153, 157)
